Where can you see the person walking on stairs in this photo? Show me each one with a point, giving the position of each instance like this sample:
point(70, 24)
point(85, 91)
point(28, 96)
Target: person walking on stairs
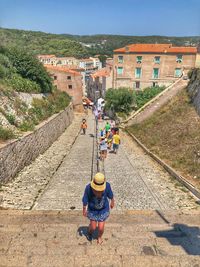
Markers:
point(107, 127)
point(96, 204)
point(109, 139)
point(116, 142)
point(103, 148)
point(84, 126)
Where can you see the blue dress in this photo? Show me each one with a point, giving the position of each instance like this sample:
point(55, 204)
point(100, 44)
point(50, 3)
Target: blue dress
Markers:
point(98, 208)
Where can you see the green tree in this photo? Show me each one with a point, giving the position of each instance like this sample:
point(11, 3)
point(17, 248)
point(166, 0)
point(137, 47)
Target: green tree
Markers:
point(20, 84)
point(102, 58)
point(30, 68)
point(120, 99)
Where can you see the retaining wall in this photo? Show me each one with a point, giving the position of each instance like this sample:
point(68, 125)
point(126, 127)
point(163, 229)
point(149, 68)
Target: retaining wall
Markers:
point(17, 154)
point(194, 89)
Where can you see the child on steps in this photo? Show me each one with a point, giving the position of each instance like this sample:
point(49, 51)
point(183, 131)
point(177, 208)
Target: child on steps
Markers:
point(96, 204)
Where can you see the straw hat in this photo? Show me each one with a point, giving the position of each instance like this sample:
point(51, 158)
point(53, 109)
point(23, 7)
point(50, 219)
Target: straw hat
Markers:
point(98, 183)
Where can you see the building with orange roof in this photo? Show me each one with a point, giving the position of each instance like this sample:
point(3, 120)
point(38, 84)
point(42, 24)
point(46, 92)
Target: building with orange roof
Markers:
point(68, 80)
point(47, 59)
point(99, 82)
point(61, 61)
point(85, 66)
point(139, 66)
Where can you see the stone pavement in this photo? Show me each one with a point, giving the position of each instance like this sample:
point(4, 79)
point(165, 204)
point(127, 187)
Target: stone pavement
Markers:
point(140, 183)
point(27, 186)
point(131, 239)
point(56, 180)
point(66, 188)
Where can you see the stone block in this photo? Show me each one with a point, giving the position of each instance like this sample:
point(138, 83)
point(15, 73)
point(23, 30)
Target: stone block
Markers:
point(53, 261)
point(13, 261)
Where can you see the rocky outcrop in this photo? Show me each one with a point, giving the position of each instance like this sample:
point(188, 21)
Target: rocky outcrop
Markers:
point(194, 88)
point(14, 107)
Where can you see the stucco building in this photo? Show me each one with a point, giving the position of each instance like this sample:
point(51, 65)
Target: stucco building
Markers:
point(98, 83)
point(84, 66)
point(139, 66)
point(69, 81)
point(58, 61)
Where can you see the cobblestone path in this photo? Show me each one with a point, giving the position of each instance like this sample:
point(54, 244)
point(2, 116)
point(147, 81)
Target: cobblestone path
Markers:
point(56, 180)
point(140, 183)
point(27, 186)
point(67, 185)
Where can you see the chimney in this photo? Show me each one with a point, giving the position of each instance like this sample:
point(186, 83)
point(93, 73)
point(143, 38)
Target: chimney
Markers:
point(126, 49)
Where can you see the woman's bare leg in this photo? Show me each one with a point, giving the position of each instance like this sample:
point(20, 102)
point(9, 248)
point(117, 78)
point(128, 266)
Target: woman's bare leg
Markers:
point(92, 227)
point(100, 232)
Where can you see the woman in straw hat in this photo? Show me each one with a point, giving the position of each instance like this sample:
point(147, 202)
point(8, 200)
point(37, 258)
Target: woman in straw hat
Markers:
point(96, 204)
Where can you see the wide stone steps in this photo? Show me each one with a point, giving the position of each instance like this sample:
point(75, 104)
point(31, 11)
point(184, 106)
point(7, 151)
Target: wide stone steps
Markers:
point(131, 238)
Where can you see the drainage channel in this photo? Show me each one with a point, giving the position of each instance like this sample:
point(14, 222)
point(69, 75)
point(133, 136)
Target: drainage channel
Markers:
point(95, 151)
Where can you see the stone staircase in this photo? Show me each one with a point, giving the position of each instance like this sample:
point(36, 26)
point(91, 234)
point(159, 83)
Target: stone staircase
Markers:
point(131, 238)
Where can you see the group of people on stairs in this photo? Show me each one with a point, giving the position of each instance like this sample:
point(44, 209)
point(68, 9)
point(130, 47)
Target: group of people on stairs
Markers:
point(98, 196)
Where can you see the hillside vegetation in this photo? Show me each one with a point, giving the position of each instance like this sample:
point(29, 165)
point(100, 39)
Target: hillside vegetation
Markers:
point(173, 134)
point(70, 45)
point(105, 44)
point(42, 43)
point(17, 115)
point(23, 72)
point(21, 75)
point(124, 100)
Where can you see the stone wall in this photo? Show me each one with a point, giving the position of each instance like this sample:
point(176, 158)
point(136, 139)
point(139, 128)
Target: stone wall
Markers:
point(194, 88)
point(16, 154)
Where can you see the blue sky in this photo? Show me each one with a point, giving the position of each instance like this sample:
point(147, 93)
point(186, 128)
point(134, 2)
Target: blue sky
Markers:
point(127, 17)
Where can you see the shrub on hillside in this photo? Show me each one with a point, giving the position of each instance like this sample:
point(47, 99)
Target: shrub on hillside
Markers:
point(30, 68)
point(60, 100)
point(11, 118)
point(20, 84)
point(46, 107)
point(6, 134)
point(3, 72)
point(142, 97)
point(27, 125)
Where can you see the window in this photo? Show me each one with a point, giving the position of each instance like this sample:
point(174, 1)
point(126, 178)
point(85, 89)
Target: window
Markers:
point(178, 72)
point(55, 77)
point(138, 73)
point(139, 59)
point(120, 59)
point(70, 86)
point(68, 77)
point(154, 84)
point(155, 73)
point(157, 60)
point(179, 58)
point(120, 70)
point(137, 85)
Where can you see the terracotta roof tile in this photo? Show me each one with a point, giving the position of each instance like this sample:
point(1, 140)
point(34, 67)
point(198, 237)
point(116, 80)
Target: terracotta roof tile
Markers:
point(46, 56)
point(62, 69)
point(86, 60)
point(156, 48)
point(104, 72)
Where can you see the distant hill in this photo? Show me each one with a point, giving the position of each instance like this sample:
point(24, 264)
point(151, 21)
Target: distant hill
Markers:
point(42, 43)
point(105, 44)
point(82, 45)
